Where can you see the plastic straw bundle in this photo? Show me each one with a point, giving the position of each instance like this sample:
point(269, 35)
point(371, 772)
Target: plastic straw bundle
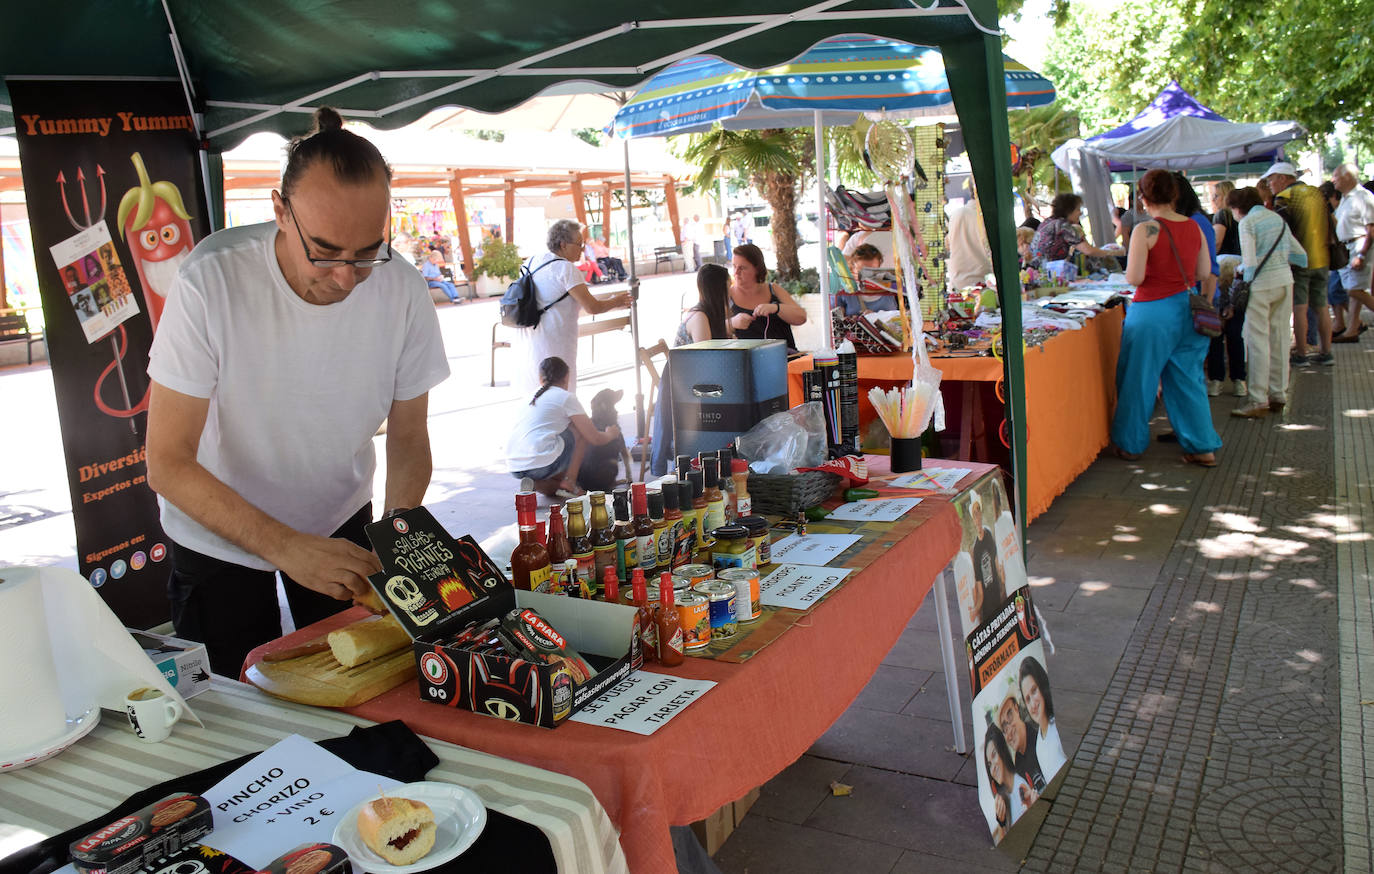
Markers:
point(906, 411)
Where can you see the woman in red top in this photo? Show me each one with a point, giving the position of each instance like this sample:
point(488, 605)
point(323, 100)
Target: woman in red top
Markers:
point(1159, 348)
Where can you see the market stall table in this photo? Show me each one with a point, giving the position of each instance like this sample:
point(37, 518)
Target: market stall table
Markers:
point(91, 778)
point(760, 717)
point(1070, 396)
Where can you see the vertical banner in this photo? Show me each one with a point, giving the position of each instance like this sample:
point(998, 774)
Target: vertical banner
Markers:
point(115, 204)
point(1016, 739)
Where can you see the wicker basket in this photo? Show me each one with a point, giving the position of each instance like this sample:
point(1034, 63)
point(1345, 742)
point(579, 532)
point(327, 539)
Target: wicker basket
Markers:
point(787, 495)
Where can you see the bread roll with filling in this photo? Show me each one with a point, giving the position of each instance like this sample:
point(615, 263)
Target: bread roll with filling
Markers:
point(367, 639)
point(399, 830)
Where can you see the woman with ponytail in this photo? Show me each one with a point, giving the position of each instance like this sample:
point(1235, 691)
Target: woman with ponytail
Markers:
point(551, 437)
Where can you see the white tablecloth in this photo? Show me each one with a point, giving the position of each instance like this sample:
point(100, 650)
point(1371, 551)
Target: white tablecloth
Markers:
point(110, 764)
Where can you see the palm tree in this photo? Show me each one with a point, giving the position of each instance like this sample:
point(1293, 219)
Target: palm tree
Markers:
point(1039, 131)
point(776, 161)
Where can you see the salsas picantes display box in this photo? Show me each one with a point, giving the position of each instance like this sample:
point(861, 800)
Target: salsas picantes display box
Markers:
point(436, 586)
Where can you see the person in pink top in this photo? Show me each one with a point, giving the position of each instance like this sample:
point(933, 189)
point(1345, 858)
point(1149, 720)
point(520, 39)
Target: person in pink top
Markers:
point(1159, 348)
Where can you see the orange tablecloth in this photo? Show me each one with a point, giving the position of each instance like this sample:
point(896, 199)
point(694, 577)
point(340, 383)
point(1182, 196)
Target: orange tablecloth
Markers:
point(759, 718)
point(1070, 395)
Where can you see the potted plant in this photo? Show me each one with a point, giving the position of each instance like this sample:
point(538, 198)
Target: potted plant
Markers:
point(806, 291)
point(497, 268)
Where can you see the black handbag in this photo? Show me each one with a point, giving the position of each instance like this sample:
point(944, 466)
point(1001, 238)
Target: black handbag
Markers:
point(1336, 251)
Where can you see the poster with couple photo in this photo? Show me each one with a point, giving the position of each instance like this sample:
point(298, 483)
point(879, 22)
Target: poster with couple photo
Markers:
point(989, 566)
point(1016, 739)
point(94, 281)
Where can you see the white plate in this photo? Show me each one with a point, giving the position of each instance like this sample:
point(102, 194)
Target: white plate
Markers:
point(459, 817)
point(13, 760)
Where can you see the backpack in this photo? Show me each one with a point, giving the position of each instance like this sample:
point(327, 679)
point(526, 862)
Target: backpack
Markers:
point(520, 305)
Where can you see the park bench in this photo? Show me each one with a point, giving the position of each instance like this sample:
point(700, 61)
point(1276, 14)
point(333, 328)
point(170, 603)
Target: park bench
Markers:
point(14, 328)
point(615, 320)
point(667, 254)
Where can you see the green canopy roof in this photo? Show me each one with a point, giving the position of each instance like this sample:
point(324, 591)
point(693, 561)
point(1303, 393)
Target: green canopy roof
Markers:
point(255, 65)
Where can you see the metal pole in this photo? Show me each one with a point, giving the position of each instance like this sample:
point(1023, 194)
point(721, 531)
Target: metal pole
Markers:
point(634, 299)
point(824, 266)
point(948, 658)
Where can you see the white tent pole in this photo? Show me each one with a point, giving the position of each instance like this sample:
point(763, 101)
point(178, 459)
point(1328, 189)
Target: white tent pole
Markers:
point(824, 267)
point(634, 296)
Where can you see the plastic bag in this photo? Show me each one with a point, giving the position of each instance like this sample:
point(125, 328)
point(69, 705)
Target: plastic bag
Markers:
point(786, 441)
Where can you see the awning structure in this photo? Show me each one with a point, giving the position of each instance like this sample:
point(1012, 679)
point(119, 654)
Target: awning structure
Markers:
point(256, 65)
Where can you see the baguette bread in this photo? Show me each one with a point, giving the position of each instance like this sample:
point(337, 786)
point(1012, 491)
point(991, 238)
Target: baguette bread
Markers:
point(371, 601)
point(399, 830)
point(366, 640)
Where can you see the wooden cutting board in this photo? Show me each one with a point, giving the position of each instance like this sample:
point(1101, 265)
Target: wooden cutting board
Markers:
point(319, 679)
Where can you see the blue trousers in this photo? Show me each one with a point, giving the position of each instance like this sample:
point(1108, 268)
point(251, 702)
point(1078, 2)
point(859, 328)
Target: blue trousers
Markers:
point(1159, 348)
point(448, 288)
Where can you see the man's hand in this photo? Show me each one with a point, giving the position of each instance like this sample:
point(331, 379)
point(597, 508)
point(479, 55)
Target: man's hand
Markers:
point(1357, 262)
point(613, 432)
point(329, 565)
point(1028, 795)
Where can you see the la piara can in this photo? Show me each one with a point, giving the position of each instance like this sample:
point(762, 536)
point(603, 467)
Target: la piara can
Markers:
point(722, 595)
point(694, 612)
point(746, 583)
point(695, 573)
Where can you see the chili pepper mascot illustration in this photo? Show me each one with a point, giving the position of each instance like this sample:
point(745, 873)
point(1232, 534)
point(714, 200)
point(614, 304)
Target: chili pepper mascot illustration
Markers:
point(154, 223)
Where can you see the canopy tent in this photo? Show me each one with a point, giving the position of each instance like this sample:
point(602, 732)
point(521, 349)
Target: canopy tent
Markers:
point(267, 64)
point(1176, 132)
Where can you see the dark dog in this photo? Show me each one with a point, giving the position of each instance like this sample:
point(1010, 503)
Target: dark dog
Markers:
point(601, 463)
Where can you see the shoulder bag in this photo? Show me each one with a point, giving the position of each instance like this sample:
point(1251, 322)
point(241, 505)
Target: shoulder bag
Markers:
point(1240, 288)
point(1336, 251)
point(1206, 320)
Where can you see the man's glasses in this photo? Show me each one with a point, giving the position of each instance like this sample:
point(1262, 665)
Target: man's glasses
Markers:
point(331, 263)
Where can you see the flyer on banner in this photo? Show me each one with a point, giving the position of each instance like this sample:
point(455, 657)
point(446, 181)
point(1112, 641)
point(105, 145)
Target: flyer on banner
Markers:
point(643, 703)
point(799, 586)
point(813, 548)
point(94, 281)
point(874, 510)
point(293, 793)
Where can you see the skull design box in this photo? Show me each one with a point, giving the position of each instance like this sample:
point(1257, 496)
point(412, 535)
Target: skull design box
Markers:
point(441, 590)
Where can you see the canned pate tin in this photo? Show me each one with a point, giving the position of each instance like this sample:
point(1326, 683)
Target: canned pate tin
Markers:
point(697, 573)
point(680, 585)
point(760, 539)
point(694, 612)
point(746, 583)
point(722, 595)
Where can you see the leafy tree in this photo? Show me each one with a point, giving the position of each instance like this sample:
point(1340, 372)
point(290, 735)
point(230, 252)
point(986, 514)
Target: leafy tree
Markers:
point(1038, 131)
point(776, 161)
point(1311, 61)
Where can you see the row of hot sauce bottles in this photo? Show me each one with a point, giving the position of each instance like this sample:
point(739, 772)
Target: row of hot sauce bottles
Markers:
point(694, 531)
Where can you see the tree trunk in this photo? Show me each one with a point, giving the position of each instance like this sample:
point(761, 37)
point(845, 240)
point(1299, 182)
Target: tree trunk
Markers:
point(780, 190)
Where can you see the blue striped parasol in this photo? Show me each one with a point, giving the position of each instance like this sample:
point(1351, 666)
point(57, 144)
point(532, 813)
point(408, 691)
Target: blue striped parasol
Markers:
point(843, 76)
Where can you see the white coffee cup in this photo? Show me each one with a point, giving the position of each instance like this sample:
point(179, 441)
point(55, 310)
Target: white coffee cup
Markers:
point(151, 713)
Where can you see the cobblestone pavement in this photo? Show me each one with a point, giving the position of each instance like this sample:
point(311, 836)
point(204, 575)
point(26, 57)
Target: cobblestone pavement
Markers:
point(1224, 738)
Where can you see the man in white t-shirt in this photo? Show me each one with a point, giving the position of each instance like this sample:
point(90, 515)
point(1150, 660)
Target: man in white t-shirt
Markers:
point(283, 348)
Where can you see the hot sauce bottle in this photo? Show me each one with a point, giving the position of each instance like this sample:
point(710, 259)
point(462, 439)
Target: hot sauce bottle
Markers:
point(646, 629)
point(739, 472)
point(559, 552)
point(698, 481)
point(603, 539)
point(715, 500)
point(582, 551)
point(610, 586)
point(626, 556)
point(726, 457)
point(663, 555)
point(529, 562)
point(643, 528)
point(672, 514)
point(685, 550)
point(684, 464)
point(669, 625)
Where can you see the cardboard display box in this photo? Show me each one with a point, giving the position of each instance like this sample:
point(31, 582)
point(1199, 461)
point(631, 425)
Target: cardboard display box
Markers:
point(183, 662)
point(436, 586)
point(715, 829)
point(722, 388)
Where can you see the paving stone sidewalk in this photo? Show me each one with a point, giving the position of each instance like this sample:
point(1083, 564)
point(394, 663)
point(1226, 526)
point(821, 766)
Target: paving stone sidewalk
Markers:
point(1213, 664)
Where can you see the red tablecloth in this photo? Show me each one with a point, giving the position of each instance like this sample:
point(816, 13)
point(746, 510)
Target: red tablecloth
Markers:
point(760, 717)
point(1070, 396)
